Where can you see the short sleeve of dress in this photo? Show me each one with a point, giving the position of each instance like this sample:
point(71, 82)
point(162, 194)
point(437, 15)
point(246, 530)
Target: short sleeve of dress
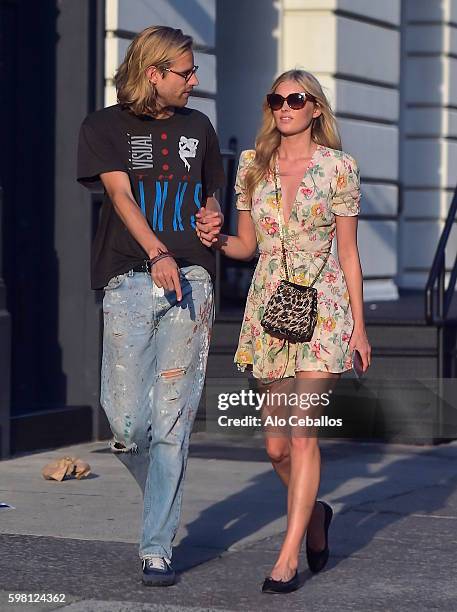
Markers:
point(346, 195)
point(242, 201)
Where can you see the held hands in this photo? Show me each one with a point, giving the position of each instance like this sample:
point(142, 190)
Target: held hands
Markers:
point(165, 272)
point(209, 224)
point(359, 342)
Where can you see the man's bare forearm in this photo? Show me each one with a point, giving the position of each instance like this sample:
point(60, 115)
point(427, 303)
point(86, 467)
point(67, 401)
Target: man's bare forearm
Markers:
point(135, 222)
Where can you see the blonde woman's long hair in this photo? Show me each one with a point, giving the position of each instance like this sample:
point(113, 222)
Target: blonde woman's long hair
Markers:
point(324, 130)
point(156, 46)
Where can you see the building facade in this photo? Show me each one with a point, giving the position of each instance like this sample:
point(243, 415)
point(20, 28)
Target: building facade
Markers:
point(389, 69)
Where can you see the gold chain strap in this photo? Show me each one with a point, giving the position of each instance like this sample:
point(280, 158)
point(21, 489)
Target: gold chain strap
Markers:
point(284, 259)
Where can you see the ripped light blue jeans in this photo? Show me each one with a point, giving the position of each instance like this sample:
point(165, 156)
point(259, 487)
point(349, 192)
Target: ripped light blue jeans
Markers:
point(153, 368)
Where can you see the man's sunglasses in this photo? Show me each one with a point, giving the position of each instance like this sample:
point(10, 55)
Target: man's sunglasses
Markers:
point(295, 101)
point(185, 75)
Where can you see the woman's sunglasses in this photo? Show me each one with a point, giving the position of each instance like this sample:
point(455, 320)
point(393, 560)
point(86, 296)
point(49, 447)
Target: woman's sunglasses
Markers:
point(295, 101)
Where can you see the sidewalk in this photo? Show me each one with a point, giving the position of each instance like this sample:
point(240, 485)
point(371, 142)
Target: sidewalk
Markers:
point(393, 538)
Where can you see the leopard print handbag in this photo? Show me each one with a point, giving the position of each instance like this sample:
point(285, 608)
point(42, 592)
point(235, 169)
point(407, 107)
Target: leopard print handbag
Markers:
point(291, 312)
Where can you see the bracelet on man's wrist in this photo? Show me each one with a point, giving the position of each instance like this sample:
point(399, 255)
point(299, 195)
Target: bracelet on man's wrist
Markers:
point(161, 255)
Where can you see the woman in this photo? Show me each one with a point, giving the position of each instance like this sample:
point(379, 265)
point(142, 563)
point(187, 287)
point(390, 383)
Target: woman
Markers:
point(300, 183)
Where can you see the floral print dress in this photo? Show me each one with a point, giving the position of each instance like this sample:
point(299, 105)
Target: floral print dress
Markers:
point(330, 187)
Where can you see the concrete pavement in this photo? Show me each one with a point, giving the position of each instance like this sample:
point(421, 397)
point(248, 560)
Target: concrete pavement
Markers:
point(393, 539)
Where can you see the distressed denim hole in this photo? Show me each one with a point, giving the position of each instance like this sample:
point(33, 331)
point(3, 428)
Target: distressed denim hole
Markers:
point(118, 447)
point(172, 393)
point(175, 373)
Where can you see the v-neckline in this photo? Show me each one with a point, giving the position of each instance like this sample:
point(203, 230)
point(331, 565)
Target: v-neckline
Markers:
point(281, 211)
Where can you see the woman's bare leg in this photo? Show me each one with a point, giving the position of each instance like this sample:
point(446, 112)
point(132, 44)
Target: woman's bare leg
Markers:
point(300, 472)
point(277, 438)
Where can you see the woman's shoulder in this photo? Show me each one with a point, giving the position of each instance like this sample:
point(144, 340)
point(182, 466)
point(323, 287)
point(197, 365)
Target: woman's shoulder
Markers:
point(343, 159)
point(247, 157)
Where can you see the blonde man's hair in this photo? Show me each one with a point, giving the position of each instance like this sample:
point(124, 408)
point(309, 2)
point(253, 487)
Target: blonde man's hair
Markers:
point(156, 46)
point(324, 129)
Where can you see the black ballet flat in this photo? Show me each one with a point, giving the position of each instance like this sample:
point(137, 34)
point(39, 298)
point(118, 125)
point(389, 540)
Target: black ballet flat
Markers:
point(318, 560)
point(280, 586)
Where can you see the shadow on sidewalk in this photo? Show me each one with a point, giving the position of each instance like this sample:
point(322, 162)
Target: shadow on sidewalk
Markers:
point(365, 513)
point(232, 519)
point(368, 511)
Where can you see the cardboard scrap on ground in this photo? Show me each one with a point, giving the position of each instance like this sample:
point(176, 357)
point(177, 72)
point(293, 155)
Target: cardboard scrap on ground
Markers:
point(66, 466)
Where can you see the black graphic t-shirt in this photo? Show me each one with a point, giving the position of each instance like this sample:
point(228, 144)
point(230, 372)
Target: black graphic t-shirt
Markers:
point(173, 165)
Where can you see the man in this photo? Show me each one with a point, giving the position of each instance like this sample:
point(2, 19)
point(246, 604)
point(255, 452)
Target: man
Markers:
point(160, 166)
